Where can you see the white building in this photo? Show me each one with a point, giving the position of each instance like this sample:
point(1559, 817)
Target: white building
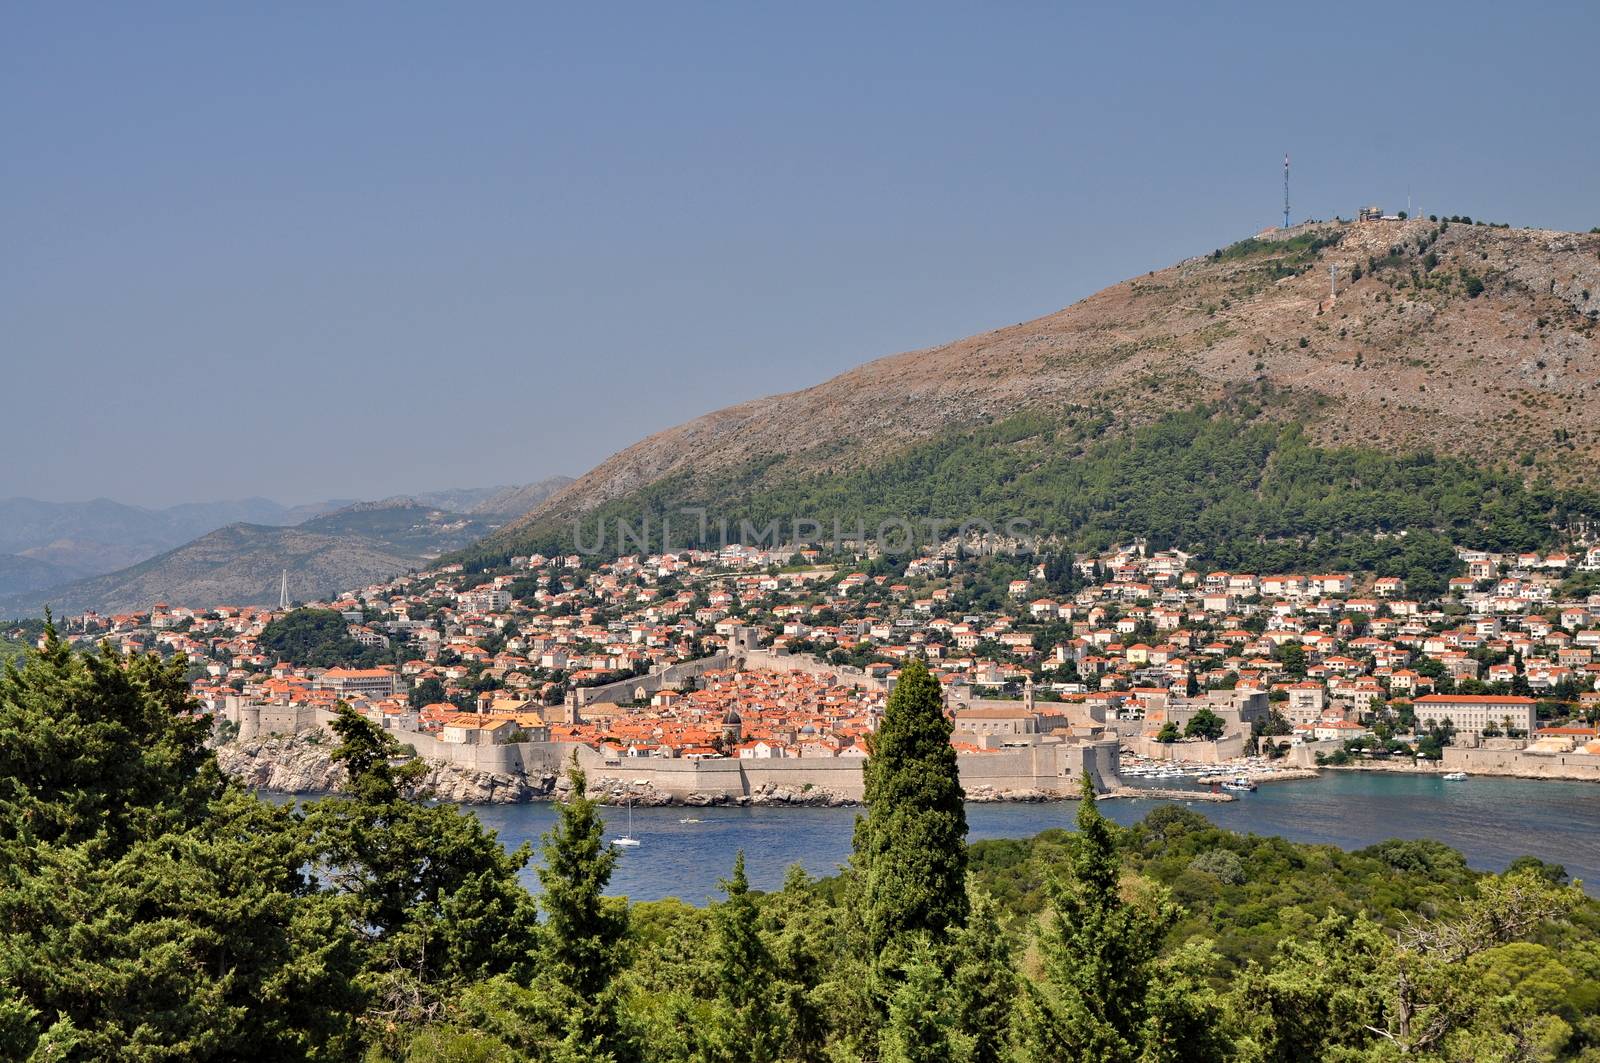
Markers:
point(1470, 713)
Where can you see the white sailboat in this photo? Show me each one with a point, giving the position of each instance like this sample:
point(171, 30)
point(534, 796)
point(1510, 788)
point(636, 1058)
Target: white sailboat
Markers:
point(627, 841)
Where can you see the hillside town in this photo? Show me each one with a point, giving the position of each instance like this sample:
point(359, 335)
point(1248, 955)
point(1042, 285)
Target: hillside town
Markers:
point(628, 658)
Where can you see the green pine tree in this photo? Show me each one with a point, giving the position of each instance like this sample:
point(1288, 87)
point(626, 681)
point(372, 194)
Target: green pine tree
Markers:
point(100, 746)
point(807, 943)
point(749, 1025)
point(983, 984)
point(148, 911)
point(918, 1028)
point(1099, 957)
point(434, 893)
point(910, 847)
point(584, 931)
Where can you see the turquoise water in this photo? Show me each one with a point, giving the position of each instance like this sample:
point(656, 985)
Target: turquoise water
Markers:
point(1492, 821)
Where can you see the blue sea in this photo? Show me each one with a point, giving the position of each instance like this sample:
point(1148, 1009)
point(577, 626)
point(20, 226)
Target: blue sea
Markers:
point(1492, 821)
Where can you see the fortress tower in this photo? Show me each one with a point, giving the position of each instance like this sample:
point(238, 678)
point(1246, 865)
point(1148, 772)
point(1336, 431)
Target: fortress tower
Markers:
point(744, 641)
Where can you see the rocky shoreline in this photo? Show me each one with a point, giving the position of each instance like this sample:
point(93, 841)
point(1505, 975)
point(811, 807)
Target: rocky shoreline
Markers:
point(303, 764)
point(1287, 775)
point(1485, 771)
point(616, 792)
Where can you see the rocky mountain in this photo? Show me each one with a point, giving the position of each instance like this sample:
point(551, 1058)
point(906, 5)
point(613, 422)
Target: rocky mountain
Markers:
point(19, 572)
point(495, 504)
point(404, 526)
point(516, 501)
point(73, 540)
point(242, 564)
point(1456, 339)
point(50, 544)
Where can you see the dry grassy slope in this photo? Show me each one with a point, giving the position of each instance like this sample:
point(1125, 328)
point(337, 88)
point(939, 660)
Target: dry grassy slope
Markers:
point(1386, 364)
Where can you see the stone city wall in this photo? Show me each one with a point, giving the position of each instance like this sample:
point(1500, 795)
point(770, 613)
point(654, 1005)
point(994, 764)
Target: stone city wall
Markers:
point(1195, 752)
point(843, 674)
point(669, 678)
point(1521, 763)
point(1048, 769)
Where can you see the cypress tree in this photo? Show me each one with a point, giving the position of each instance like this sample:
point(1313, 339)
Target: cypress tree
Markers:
point(1099, 956)
point(911, 846)
point(983, 984)
point(583, 930)
point(750, 1023)
point(919, 1023)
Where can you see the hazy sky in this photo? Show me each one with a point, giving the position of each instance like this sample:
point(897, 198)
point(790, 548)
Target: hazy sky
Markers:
point(350, 250)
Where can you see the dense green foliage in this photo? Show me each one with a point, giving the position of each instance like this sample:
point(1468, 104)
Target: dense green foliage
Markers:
point(910, 857)
point(1204, 724)
point(148, 911)
point(1098, 996)
point(1241, 492)
point(316, 638)
point(18, 637)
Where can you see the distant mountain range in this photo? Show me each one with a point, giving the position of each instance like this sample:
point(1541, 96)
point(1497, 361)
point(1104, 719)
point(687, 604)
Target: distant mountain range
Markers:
point(107, 555)
point(242, 564)
point(76, 539)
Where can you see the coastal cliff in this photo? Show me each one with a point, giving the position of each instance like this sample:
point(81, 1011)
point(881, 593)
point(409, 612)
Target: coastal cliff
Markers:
point(303, 764)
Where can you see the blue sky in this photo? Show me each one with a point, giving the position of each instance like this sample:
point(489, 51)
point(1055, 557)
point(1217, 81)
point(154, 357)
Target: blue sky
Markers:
point(349, 250)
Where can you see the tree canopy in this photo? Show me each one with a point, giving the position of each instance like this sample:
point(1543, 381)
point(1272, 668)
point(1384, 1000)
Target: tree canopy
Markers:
point(316, 638)
point(1238, 490)
point(152, 912)
point(911, 844)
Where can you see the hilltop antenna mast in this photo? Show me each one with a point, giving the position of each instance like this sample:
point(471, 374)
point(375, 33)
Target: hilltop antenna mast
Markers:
point(283, 592)
point(1286, 190)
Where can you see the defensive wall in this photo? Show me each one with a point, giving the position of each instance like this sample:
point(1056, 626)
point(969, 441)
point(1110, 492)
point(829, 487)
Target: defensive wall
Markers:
point(842, 674)
point(640, 687)
point(1048, 767)
point(1053, 768)
point(1194, 752)
point(1521, 763)
point(523, 758)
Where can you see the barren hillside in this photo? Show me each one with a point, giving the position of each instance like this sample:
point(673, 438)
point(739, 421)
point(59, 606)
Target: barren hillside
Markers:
point(1467, 339)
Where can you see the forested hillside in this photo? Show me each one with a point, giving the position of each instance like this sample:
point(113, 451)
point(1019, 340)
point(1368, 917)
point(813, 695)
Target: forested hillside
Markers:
point(1240, 489)
point(317, 638)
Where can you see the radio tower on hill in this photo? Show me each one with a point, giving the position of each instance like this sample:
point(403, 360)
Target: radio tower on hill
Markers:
point(1286, 190)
